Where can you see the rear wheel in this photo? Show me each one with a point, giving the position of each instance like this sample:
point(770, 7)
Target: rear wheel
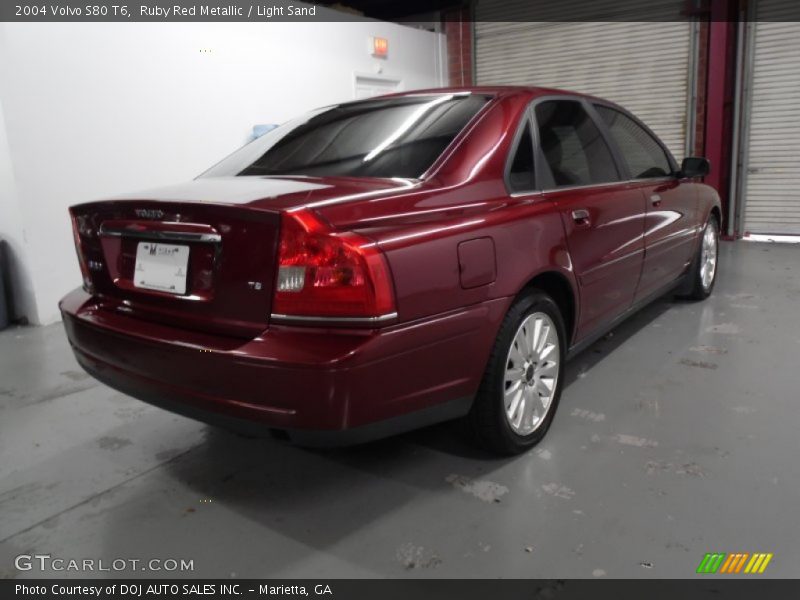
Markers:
point(522, 384)
point(703, 271)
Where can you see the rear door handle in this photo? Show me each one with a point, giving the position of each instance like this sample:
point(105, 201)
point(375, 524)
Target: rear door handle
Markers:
point(581, 216)
point(655, 200)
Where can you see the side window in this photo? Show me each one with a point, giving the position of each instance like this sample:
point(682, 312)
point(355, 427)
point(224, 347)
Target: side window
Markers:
point(520, 175)
point(644, 155)
point(573, 145)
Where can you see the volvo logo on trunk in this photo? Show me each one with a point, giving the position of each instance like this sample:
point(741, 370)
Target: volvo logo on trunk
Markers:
point(149, 213)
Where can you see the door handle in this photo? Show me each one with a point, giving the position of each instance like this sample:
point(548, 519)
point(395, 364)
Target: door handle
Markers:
point(655, 200)
point(581, 216)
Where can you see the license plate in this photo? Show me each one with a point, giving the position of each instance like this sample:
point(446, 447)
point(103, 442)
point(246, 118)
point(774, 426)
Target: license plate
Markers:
point(161, 267)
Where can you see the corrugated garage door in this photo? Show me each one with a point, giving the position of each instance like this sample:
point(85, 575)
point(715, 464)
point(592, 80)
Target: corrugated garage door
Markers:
point(772, 199)
point(645, 67)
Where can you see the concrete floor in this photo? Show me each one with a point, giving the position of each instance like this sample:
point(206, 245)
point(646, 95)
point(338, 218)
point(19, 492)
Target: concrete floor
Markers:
point(676, 436)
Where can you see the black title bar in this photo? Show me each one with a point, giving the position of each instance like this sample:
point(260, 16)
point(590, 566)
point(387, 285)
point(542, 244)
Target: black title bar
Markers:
point(293, 11)
point(403, 589)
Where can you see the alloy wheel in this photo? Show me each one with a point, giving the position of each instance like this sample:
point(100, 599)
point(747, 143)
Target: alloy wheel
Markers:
point(531, 375)
point(708, 255)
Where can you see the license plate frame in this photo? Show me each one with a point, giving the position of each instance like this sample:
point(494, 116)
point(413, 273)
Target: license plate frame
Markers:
point(161, 267)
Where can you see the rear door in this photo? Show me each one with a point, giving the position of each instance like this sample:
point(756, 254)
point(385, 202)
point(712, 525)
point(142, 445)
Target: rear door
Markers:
point(671, 204)
point(603, 216)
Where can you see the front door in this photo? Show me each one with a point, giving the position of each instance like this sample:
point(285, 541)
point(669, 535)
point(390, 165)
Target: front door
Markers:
point(670, 225)
point(670, 233)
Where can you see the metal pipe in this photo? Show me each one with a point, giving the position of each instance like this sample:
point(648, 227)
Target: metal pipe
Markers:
point(473, 44)
point(691, 97)
point(733, 195)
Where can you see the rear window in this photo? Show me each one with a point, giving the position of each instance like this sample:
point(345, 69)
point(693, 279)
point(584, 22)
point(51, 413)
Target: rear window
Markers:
point(393, 137)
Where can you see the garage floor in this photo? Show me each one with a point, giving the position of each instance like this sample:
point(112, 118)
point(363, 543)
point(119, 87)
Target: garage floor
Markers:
point(676, 436)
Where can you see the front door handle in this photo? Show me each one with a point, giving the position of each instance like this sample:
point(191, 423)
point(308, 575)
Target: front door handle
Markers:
point(655, 200)
point(581, 216)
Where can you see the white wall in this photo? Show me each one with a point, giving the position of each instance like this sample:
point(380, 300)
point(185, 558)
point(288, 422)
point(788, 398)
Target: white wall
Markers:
point(12, 233)
point(95, 109)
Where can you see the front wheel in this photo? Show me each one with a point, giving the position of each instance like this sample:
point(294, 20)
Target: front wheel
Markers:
point(522, 384)
point(703, 271)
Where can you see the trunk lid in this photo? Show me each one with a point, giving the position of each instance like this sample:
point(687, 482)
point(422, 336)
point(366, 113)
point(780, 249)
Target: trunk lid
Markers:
point(228, 253)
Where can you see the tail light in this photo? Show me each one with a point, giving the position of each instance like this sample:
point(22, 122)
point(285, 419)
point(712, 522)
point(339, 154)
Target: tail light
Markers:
point(78, 229)
point(329, 274)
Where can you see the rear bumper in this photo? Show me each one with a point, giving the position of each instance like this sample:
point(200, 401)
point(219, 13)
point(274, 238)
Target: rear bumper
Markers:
point(321, 386)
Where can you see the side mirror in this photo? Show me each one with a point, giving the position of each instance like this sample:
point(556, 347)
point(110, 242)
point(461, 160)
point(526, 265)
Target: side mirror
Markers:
point(694, 166)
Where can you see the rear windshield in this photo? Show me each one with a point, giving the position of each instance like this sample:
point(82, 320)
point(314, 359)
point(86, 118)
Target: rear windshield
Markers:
point(394, 137)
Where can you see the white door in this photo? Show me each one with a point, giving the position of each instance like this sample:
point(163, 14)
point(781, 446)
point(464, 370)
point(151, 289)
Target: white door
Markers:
point(772, 177)
point(367, 87)
point(644, 66)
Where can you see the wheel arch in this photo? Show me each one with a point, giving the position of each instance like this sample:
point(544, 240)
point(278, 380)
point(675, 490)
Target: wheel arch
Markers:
point(710, 204)
point(558, 286)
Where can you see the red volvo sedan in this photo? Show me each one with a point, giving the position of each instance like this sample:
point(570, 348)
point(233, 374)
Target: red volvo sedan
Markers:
point(381, 265)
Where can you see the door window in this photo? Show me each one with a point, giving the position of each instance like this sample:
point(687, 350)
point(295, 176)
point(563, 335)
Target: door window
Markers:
point(642, 153)
point(520, 173)
point(572, 145)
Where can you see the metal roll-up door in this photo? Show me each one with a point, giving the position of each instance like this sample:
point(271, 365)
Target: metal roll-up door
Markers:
point(646, 67)
point(772, 176)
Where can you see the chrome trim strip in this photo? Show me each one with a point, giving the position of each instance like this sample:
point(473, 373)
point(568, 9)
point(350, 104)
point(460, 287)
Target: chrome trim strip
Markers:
point(523, 194)
point(177, 236)
point(587, 185)
point(653, 180)
point(354, 320)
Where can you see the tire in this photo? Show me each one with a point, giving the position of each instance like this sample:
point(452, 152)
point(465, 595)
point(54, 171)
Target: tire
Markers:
point(699, 283)
point(498, 423)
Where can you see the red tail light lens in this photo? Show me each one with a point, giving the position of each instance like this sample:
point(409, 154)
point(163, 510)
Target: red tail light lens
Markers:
point(329, 274)
point(76, 236)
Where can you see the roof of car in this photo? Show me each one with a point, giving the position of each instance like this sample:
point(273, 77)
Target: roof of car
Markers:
point(530, 91)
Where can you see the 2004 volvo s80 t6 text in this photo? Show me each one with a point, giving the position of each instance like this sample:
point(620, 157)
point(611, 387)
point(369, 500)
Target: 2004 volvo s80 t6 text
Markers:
point(380, 265)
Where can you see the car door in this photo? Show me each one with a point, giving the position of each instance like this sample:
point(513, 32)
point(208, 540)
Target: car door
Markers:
point(671, 219)
point(603, 216)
